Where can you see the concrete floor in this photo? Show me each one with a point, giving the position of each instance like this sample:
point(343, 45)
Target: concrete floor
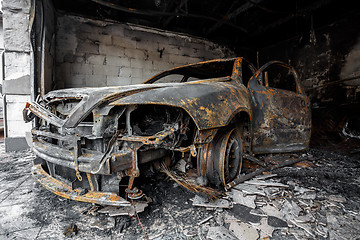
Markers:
point(28, 211)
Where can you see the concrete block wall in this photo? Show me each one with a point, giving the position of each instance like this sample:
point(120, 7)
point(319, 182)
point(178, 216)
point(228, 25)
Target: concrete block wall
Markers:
point(96, 53)
point(16, 81)
point(88, 53)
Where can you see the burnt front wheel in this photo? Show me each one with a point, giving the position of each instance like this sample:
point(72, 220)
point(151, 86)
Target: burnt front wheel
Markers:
point(228, 158)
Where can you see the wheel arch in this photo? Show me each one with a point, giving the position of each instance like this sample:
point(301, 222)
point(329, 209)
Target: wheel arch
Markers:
point(210, 153)
point(243, 121)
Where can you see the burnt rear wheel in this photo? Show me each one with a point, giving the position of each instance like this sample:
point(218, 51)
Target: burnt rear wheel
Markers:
point(228, 163)
point(221, 160)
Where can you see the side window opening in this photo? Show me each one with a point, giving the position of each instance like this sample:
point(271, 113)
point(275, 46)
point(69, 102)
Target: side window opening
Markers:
point(279, 77)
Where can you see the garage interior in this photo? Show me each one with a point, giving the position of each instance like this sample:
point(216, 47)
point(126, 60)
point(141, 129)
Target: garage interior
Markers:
point(82, 43)
point(319, 38)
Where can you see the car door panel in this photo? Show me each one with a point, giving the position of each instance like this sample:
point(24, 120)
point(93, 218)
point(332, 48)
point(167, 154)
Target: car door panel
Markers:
point(281, 118)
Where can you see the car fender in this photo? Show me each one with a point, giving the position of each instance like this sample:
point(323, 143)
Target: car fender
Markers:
point(210, 104)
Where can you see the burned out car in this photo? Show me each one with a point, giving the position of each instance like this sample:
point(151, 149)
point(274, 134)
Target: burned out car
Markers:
point(91, 141)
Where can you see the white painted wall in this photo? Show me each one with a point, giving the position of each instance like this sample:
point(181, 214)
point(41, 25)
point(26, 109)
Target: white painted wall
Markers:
point(16, 64)
point(1, 68)
point(1, 46)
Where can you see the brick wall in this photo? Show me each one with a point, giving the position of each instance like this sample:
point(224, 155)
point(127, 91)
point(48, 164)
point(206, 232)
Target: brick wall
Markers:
point(97, 53)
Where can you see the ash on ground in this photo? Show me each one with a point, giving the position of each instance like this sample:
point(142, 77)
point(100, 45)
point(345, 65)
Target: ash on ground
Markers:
point(315, 199)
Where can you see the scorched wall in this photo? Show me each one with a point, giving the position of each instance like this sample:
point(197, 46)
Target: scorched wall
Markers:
point(88, 53)
point(96, 53)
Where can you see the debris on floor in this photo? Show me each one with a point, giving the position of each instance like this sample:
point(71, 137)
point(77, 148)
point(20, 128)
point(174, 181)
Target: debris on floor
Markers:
point(103, 223)
point(316, 202)
point(124, 211)
point(219, 203)
point(265, 204)
point(243, 231)
point(220, 233)
point(280, 207)
point(205, 220)
point(238, 197)
point(71, 230)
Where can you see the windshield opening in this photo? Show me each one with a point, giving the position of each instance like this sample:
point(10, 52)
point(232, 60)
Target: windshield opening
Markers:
point(195, 72)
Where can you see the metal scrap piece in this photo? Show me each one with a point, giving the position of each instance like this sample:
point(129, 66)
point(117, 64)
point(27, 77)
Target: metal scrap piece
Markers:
point(219, 203)
point(124, 211)
point(220, 233)
point(239, 198)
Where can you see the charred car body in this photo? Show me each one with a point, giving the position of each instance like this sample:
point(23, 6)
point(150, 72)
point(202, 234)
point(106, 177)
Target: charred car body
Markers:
point(211, 114)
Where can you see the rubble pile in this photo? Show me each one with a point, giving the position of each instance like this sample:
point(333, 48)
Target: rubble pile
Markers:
point(294, 210)
point(315, 199)
point(264, 206)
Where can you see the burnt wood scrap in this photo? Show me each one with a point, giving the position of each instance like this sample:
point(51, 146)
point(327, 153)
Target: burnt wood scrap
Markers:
point(269, 163)
point(243, 178)
point(185, 182)
point(214, 117)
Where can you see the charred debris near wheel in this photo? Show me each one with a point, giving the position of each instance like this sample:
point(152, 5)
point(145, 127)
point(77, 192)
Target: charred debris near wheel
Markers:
point(92, 143)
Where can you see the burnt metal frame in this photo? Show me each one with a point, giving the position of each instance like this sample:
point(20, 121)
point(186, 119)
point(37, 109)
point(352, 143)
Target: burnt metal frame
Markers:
point(203, 146)
point(286, 114)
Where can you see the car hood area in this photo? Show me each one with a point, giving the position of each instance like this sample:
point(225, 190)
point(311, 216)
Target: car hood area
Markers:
point(210, 103)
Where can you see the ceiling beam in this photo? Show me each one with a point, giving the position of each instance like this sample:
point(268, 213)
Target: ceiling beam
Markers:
point(167, 21)
point(314, 6)
point(152, 13)
point(233, 14)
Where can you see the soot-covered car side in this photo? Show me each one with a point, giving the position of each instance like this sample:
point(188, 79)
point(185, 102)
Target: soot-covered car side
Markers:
point(91, 141)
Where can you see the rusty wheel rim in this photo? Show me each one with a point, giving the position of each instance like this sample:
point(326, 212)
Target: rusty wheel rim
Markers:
point(232, 159)
point(230, 162)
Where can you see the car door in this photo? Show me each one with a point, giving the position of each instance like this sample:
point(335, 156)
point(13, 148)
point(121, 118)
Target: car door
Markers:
point(281, 111)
